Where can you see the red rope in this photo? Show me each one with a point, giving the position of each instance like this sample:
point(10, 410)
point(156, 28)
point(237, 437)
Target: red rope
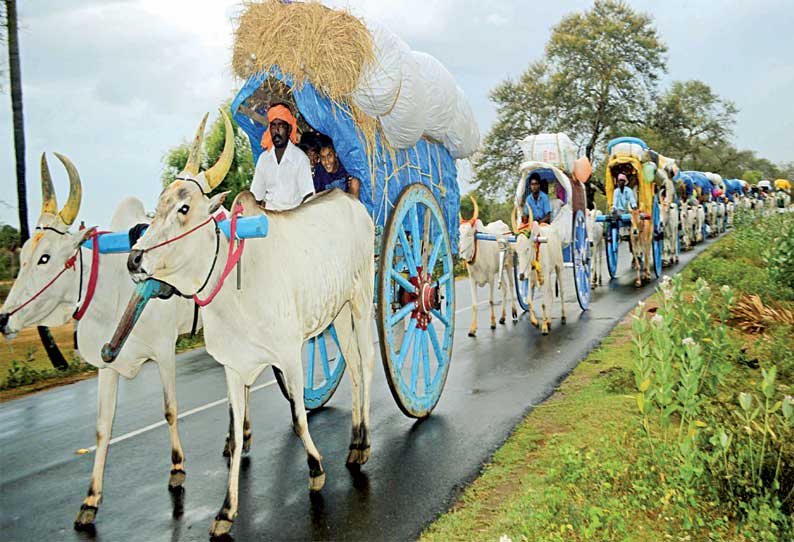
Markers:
point(92, 279)
point(232, 259)
point(180, 236)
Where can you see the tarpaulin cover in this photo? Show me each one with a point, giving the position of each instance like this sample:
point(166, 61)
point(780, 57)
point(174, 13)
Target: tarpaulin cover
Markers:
point(699, 180)
point(426, 163)
point(733, 186)
point(555, 149)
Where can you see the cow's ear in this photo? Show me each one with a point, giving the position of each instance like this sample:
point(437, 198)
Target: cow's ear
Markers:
point(82, 236)
point(217, 200)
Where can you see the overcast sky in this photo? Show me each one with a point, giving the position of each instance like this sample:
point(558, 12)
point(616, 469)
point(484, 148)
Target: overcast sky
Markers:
point(114, 83)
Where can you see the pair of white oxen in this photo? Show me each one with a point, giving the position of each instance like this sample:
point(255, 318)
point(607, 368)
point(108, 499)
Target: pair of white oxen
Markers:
point(491, 263)
point(332, 232)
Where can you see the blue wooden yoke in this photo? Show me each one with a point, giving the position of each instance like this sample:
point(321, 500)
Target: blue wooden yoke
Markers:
point(248, 227)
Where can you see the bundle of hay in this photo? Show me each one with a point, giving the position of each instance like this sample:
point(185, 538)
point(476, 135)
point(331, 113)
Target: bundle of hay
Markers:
point(306, 40)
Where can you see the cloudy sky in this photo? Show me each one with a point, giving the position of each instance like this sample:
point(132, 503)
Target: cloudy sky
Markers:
point(114, 83)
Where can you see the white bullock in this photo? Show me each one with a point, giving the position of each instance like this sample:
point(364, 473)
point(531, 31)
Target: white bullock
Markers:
point(669, 216)
point(700, 220)
point(487, 264)
point(53, 250)
point(595, 233)
point(538, 261)
point(316, 267)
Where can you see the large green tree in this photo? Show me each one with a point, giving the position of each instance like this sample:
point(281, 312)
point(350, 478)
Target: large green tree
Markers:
point(524, 106)
point(600, 71)
point(242, 169)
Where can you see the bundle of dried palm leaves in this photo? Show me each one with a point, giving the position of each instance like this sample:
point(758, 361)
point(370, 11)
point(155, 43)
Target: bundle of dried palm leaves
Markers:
point(752, 316)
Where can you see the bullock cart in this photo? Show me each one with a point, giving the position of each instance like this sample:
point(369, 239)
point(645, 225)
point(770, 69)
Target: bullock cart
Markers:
point(551, 156)
point(703, 188)
point(398, 122)
point(632, 157)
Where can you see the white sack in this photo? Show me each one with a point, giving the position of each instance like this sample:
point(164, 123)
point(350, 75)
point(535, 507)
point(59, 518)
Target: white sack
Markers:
point(555, 149)
point(441, 91)
point(404, 125)
point(380, 79)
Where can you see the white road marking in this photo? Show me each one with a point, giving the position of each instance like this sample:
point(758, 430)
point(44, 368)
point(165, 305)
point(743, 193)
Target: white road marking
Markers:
point(202, 408)
point(179, 417)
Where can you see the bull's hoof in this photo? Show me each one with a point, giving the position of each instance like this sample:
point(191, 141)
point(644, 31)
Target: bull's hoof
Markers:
point(85, 517)
point(562, 320)
point(545, 330)
point(316, 483)
point(176, 479)
point(472, 333)
point(638, 283)
point(357, 457)
point(534, 323)
point(227, 452)
point(493, 325)
point(247, 443)
point(220, 529)
point(515, 317)
point(502, 320)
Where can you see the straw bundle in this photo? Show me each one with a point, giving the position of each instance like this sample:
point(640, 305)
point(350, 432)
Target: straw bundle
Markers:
point(305, 40)
point(752, 316)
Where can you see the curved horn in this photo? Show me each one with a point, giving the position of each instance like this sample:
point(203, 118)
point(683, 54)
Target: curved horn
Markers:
point(531, 216)
point(514, 219)
point(476, 210)
point(216, 173)
point(194, 158)
point(49, 205)
point(72, 207)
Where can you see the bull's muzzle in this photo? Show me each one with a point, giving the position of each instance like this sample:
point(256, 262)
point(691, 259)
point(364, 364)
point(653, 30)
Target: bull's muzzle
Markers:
point(134, 261)
point(4, 317)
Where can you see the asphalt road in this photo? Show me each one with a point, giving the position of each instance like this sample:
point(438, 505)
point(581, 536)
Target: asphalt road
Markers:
point(416, 470)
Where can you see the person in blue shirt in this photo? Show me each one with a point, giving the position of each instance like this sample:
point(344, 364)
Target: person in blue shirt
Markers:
point(329, 173)
point(537, 201)
point(623, 200)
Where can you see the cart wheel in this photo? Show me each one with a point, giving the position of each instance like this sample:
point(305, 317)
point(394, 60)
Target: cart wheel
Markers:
point(581, 260)
point(705, 220)
point(319, 383)
point(611, 243)
point(658, 237)
point(522, 286)
point(416, 301)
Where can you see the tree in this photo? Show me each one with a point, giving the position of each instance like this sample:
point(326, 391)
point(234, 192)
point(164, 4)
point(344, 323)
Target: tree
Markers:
point(605, 65)
point(523, 107)
point(12, 36)
point(600, 71)
point(693, 124)
point(241, 171)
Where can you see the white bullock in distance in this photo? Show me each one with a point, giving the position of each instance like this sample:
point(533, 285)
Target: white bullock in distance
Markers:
point(595, 233)
point(483, 265)
point(45, 255)
point(283, 298)
point(538, 261)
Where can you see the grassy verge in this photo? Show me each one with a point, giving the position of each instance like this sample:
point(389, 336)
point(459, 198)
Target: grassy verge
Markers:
point(657, 438)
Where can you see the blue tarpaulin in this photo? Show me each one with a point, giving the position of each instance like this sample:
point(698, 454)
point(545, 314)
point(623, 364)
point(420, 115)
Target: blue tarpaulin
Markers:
point(733, 186)
point(699, 180)
point(427, 163)
point(634, 140)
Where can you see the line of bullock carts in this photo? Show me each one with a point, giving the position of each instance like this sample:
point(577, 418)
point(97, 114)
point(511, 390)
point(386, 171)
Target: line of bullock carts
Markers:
point(303, 283)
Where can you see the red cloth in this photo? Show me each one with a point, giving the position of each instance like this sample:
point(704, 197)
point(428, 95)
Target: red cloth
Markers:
point(280, 112)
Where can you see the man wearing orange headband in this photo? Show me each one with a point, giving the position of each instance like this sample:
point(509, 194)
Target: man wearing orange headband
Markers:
point(283, 177)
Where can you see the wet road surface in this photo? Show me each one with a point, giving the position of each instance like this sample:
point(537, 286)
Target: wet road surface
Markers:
point(416, 470)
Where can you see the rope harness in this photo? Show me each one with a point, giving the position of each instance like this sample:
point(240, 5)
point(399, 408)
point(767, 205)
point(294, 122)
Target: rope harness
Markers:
point(70, 264)
point(233, 256)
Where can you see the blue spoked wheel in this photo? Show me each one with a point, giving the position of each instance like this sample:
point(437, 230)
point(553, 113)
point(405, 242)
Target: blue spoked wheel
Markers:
point(658, 237)
point(416, 301)
point(323, 367)
point(611, 243)
point(522, 286)
point(581, 260)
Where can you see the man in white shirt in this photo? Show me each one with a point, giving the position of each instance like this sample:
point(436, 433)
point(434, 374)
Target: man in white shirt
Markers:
point(283, 177)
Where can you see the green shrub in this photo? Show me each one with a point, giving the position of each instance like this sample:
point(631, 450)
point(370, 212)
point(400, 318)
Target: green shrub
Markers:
point(22, 374)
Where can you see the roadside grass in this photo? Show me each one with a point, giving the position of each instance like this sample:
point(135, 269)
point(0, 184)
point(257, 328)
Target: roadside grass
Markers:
point(596, 462)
